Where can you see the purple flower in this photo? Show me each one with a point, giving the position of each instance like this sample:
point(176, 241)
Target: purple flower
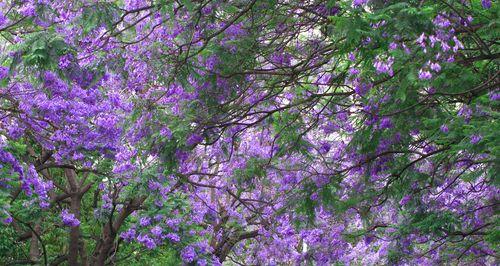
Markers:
point(145, 221)
point(385, 123)
point(353, 71)
point(444, 129)
point(382, 66)
point(366, 41)
point(3, 19)
point(235, 30)
point(405, 200)
point(173, 237)
point(495, 96)
point(352, 57)
point(458, 44)
point(156, 231)
point(314, 196)
point(181, 155)
point(7, 220)
point(421, 40)
point(435, 66)
point(154, 185)
point(212, 62)
point(465, 112)
point(441, 21)
point(147, 241)
point(324, 10)
point(424, 74)
point(207, 10)
point(64, 61)
point(194, 139)
point(431, 90)
point(9, 159)
point(281, 58)
point(27, 10)
point(4, 72)
point(429, 148)
point(358, 3)
point(342, 116)
point(369, 239)
point(188, 254)
point(362, 88)
point(40, 186)
point(325, 147)
point(474, 139)
point(128, 235)
point(486, 3)
point(393, 46)
point(166, 132)
point(44, 204)
point(69, 219)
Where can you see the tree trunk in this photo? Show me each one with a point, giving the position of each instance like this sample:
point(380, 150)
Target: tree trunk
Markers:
point(34, 248)
point(83, 254)
point(103, 248)
point(110, 230)
point(74, 234)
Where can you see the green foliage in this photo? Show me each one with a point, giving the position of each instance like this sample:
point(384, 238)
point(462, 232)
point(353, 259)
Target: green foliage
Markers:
point(98, 14)
point(8, 250)
point(43, 50)
point(255, 168)
point(432, 223)
point(289, 130)
point(135, 255)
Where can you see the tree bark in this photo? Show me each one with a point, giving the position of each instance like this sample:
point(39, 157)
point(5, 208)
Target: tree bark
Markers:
point(74, 234)
point(226, 246)
point(83, 254)
point(110, 230)
point(34, 248)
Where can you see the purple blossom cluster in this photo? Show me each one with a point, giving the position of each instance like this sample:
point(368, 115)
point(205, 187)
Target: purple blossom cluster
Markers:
point(254, 132)
point(69, 219)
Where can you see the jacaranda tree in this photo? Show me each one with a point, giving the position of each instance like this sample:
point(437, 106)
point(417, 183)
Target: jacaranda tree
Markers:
point(249, 132)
